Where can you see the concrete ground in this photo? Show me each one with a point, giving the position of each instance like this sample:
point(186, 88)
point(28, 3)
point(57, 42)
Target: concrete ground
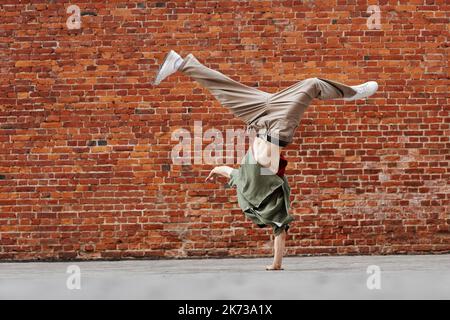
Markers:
point(345, 277)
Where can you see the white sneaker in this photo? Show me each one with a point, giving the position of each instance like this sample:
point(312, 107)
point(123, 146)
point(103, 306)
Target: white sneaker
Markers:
point(363, 90)
point(170, 65)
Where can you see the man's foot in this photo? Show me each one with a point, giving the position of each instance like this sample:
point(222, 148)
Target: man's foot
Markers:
point(364, 90)
point(273, 268)
point(170, 65)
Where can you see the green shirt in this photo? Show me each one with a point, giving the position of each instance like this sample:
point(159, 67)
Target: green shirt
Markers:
point(264, 197)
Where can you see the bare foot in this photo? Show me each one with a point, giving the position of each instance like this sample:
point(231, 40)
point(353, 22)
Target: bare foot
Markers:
point(273, 268)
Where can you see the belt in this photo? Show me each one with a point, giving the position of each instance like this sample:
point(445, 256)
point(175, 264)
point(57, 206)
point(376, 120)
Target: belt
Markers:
point(273, 140)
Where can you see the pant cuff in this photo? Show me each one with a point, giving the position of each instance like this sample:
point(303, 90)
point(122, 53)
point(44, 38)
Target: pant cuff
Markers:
point(187, 59)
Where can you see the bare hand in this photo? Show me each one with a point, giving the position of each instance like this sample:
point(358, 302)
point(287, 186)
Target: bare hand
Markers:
point(212, 175)
point(223, 171)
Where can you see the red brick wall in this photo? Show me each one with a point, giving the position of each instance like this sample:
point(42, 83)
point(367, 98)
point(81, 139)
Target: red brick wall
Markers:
point(85, 139)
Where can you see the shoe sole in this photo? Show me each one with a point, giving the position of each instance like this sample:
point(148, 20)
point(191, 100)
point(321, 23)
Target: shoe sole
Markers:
point(169, 59)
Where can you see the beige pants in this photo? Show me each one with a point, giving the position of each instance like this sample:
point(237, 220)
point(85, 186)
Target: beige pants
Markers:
point(275, 117)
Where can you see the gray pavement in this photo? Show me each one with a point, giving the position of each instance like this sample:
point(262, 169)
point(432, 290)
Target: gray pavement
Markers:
point(342, 277)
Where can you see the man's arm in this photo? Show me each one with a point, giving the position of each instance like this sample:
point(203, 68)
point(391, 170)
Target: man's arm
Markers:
point(223, 171)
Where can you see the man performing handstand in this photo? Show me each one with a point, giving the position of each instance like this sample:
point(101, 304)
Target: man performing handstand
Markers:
point(262, 188)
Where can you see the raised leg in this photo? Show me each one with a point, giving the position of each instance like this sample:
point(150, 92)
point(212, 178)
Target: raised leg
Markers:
point(244, 102)
point(287, 106)
point(315, 88)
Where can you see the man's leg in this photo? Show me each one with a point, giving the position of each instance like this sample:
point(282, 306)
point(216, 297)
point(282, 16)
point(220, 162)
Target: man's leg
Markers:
point(326, 89)
point(290, 103)
point(279, 245)
point(287, 106)
point(246, 103)
point(315, 88)
point(349, 93)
